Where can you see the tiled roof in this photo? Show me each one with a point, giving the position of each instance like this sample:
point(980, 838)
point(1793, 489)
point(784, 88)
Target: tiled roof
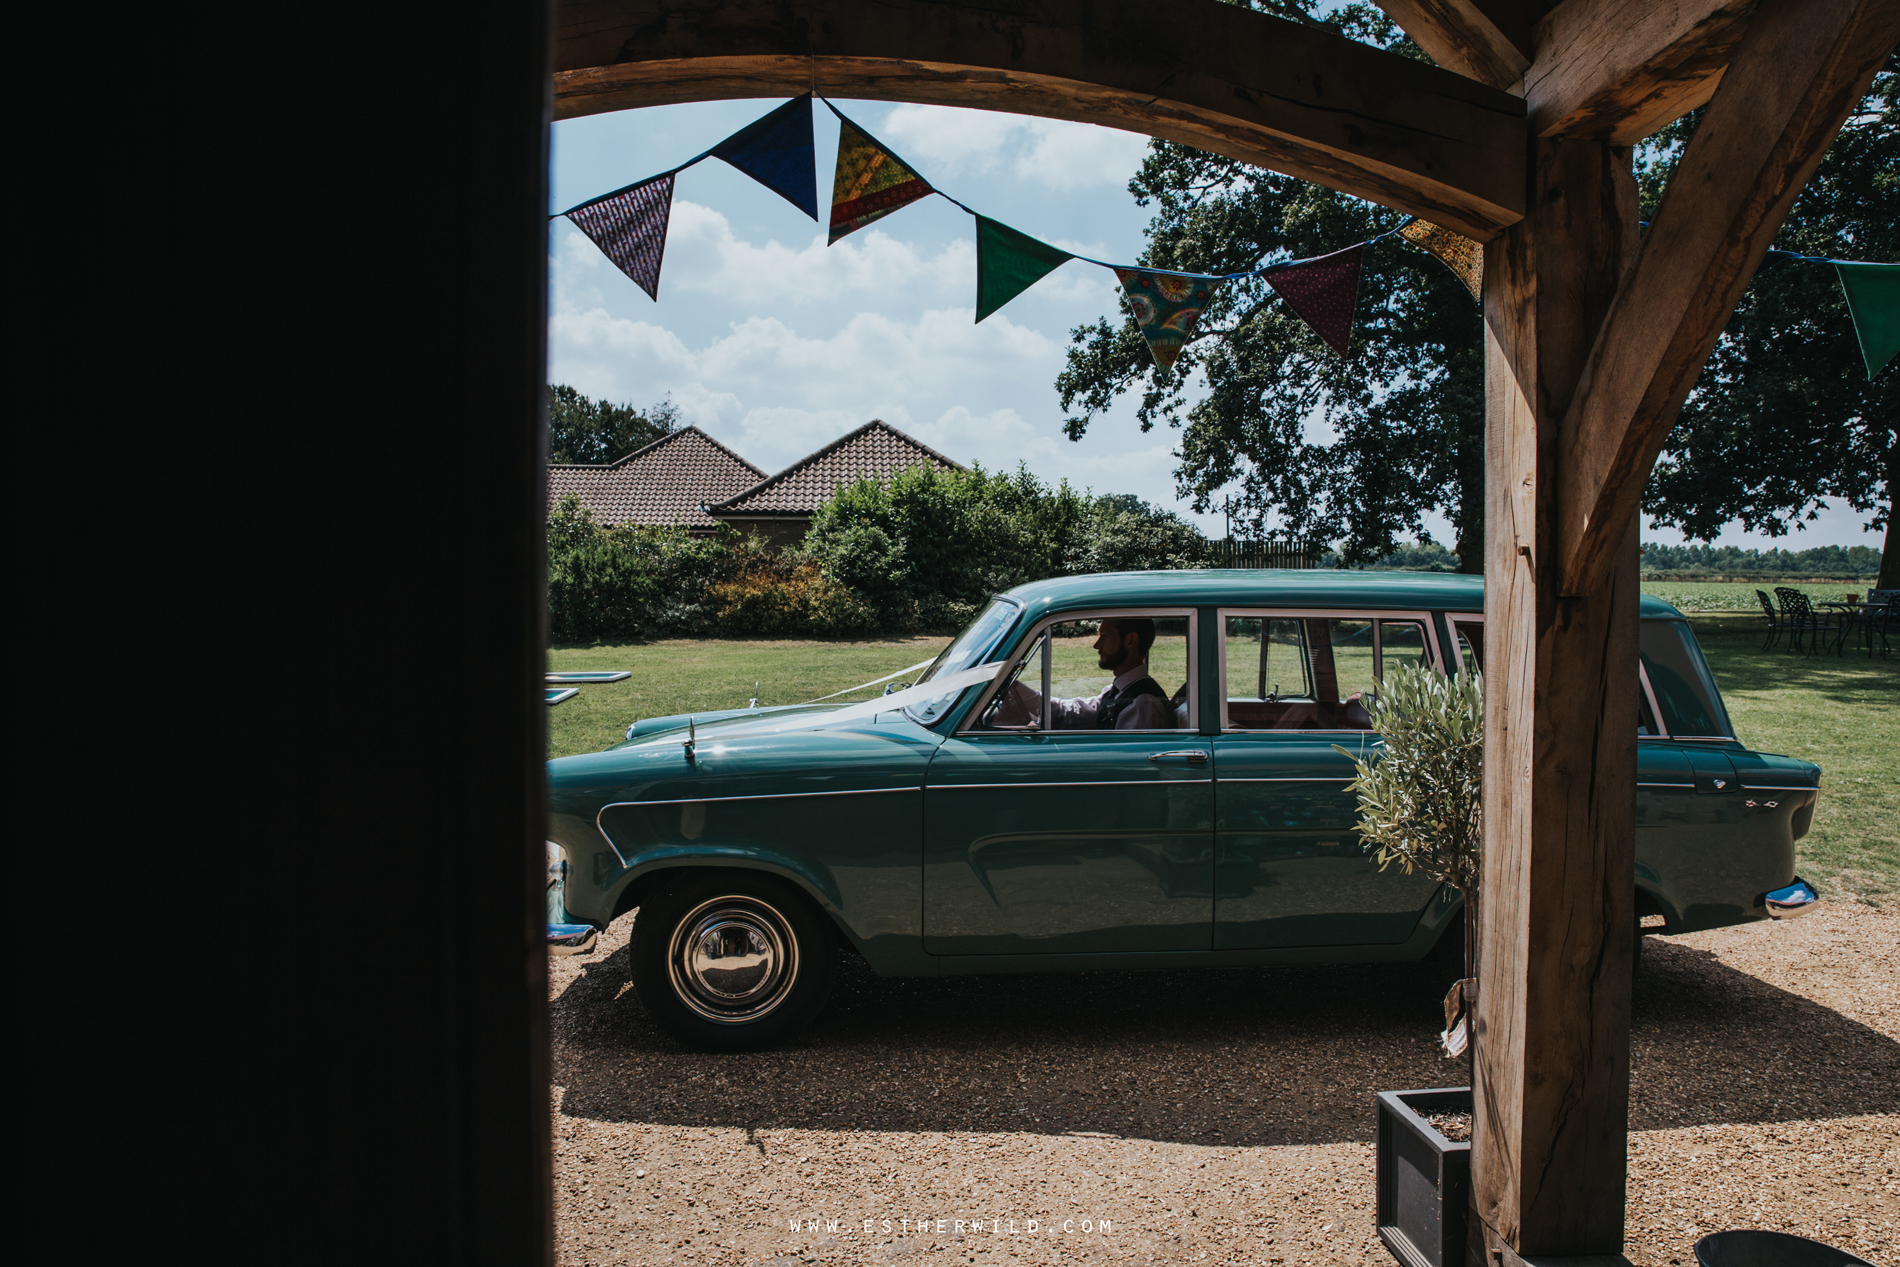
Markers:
point(663, 483)
point(876, 450)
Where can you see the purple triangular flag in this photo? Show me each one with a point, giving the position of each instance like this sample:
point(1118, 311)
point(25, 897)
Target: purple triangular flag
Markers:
point(629, 227)
point(1322, 293)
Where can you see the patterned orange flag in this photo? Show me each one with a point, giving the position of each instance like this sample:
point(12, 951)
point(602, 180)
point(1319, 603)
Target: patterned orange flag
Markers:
point(1460, 254)
point(870, 182)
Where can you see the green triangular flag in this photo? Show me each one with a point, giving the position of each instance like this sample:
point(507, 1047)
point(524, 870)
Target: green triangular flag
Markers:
point(1873, 297)
point(1008, 263)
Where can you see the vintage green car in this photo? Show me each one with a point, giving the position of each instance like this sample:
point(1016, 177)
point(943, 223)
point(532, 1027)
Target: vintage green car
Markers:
point(998, 817)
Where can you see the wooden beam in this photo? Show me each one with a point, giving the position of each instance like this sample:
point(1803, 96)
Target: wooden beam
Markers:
point(1206, 74)
point(1801, 67)
point(1617, 70)
point(1552, 1067)
point(1488, 40)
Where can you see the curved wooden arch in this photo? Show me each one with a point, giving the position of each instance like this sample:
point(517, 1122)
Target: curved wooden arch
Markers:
point(1264, 91)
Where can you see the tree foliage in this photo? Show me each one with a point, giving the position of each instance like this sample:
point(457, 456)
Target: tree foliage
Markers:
point(928, 547)
point(1782, 419)
point(1420, 797)
point(595, 432)
point(1354, 450)
point(918, 552)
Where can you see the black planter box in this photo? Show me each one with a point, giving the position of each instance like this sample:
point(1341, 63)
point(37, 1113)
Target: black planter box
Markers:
point(1424, 1179)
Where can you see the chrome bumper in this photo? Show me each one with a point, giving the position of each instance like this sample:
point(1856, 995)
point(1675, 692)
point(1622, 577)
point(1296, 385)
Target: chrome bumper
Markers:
point(1797, 899)
point(564, 937)
point(571, 939)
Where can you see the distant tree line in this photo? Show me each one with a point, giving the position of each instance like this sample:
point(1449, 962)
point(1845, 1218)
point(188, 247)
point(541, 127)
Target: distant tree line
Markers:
point(1682, 562)
point(1843, 561)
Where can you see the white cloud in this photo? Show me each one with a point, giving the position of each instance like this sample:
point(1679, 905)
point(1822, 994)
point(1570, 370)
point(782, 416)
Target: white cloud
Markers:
point(704, 255)
point(1052, 152)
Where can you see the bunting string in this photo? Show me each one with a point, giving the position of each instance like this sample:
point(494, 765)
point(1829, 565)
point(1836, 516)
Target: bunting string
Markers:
point(870, 182)
point(1872, 291)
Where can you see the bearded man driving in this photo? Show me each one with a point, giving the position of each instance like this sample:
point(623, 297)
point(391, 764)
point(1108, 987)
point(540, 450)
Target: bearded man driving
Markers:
point(1133, 701)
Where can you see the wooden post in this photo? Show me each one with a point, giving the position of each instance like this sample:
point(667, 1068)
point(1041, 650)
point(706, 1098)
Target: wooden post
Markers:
point(1552, 1071)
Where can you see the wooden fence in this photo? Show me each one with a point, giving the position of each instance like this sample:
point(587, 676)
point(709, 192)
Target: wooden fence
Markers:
point(1285, 553)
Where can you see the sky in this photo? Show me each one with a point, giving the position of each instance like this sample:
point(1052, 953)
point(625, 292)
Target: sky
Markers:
point(776, 344)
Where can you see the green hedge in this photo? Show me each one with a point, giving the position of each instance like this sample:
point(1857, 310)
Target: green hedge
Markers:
point(916, 553)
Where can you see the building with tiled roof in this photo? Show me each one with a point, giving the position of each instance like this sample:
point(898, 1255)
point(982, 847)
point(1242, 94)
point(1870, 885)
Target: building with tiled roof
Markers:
point(667, 482)
point(780, 508)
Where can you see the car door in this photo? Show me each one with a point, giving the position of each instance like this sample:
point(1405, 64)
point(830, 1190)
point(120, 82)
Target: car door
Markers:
point(1290, 870)
point(1042, 838)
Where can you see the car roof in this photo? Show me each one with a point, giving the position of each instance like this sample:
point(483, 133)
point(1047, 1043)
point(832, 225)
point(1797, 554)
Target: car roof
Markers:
point(1275, 587)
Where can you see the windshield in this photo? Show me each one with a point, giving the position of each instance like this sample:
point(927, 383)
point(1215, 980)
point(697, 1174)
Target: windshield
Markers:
point(972, 647)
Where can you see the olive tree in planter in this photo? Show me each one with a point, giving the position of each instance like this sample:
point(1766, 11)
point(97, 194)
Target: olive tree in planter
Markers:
point(1419, 807)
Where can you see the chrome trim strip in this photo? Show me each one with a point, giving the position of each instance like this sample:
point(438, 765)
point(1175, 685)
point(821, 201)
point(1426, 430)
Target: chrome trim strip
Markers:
point(1665, 785)
point(1649, 694)
point(1777, 787)
point(707, 800)
point(1317, 778)
point(1155, 782)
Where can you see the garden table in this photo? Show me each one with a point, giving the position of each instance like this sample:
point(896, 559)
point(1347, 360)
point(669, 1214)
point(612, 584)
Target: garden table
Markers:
point(1856, 616)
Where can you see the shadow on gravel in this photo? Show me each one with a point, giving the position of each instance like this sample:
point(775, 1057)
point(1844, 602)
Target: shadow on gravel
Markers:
point(1712, 1045)
point(1264, 1056)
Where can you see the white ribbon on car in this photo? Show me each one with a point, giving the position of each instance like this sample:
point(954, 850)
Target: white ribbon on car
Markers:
point(949, 684)
point(874, 681)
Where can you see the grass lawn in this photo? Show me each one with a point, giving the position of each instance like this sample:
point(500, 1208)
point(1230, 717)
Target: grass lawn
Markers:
point(1840, 712)
point(682, 675)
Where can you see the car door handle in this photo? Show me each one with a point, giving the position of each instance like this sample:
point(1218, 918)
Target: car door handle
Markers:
point(1193, 756)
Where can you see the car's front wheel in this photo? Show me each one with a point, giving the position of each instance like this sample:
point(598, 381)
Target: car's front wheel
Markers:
point(729, 961)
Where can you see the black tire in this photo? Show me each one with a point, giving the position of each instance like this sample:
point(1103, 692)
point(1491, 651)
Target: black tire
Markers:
point(779, 958)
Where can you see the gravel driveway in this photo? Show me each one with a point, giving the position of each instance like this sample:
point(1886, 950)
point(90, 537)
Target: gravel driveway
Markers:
point(1218, 1117)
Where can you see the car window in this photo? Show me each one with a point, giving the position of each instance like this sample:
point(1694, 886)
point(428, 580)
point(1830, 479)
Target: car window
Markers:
point(1470, 634)
point(1685, 691)
point(1065, 656)
point(1352, 657)
point(968, 649)
point(1311, 672)
point(1470, 645)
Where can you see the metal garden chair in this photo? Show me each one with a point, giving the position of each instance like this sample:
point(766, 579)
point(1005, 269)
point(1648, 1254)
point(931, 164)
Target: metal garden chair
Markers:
point(1773, 618)
point(1882, 606)
point(1799, 618)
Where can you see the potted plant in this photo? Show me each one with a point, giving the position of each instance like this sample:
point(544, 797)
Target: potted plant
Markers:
point(1419, 808)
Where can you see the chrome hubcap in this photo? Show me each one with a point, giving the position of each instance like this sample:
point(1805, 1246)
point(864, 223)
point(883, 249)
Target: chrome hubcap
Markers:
point(732, 959)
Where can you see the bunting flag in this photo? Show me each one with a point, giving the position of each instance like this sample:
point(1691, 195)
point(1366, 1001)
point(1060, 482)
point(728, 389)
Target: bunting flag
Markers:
point(1322, 292)
point(1461, 255)
point(1166, 307)
point(870, 182)
point(778, 152)
point(1873, 300)
point(629, 227)
point(1008, 263)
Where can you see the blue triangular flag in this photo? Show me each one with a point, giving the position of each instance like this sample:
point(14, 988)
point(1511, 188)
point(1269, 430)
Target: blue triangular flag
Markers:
point(778, 152)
